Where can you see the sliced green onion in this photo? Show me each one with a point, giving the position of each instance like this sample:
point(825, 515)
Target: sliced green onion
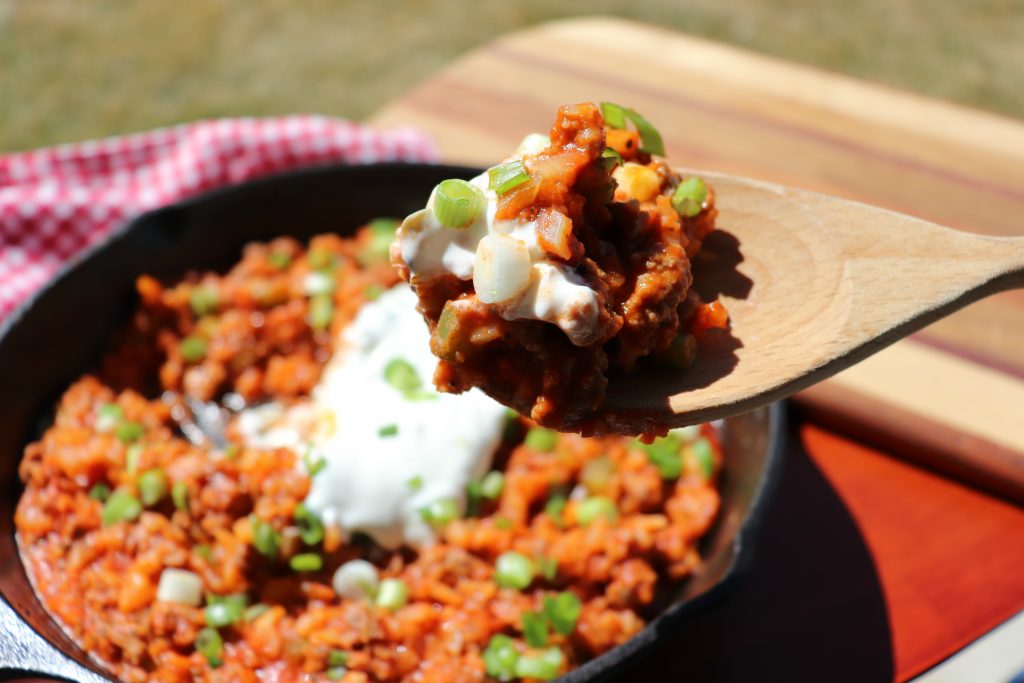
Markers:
point(387, 430)
point(306, 562)
point(513, 570)
point(232, 451)
point(664, 453)
point(400, 374)
point(265, 538)
point(318, 282)
point(596, 475)
point(99, 492)
point(610, 158)
point(506, 177)
point(179, 494)
point(535, 629)
point(321, 311)
point(392, 594)
point(547, 567)
point(337, 658)
point(131, 458)
point(336, 673)
point(224, 610)
point(650, 138)
point(440, 512)
point(541, 440)
point(193, 349)
point(210, 645)
point(563, 611)
point(500, 657)
point(203, 300)
point(127, 432)
point(152, 486)
point(382, 233)
point(420, 395)
point(591, 508)
point(457, 203)
point(322, 259)
point(204, 551)
point(108, 417)
point(416, 483)
point(689, 197)
point(254, 612)
point(555, 507)
point(543, 666)
point(503, 522)
point(704, 454)
point(614, 115)
point(314, 465)
point(492, 484)
point(311, 529)
point(373, 291)
point(121, 506)
point(279, 259)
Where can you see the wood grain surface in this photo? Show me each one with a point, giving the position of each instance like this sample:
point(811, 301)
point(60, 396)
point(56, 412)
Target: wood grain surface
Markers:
point(727, 110)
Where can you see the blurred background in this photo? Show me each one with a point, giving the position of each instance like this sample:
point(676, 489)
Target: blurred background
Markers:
point(77, 70)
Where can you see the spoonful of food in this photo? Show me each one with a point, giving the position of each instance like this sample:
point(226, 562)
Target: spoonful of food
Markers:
point(588, 284)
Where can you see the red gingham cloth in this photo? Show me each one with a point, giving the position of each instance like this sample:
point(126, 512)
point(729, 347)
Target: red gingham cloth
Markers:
point(54, 202)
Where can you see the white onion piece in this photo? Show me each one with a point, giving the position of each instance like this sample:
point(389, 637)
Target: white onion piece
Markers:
point(317, 283)
point(501, 270)
point(355, 579)
point(533, 144)
point(180, 586)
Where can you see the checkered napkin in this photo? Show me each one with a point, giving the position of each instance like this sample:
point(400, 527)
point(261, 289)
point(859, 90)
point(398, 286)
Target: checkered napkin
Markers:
point(55, 202)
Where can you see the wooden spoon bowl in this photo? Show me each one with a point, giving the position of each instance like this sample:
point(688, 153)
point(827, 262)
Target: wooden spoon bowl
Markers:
point(813, 284)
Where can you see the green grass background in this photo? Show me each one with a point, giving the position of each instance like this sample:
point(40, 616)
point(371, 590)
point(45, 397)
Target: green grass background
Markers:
point(76, 69)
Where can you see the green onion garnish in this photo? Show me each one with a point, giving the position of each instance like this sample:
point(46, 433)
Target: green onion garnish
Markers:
point(321, 311)
point(543, 666)
point(614, 115)
point(203, 300)
point(382, 233)
point(610, 158)
point(440, 512)
point(337, 658)
point(500, 657)
point(650, 139)
point(547, 567)
point(311, 529)
point(392, 594)
point(664, 453)
point(336, 673)
point(108, 417)
point(555, 507)
point(541, 440)
point(513, 570)
point(128, 432)
point(416, 483)
point(152, 486)
point(210, 645)
point(457, 203)
point(99, 492)
point(224, 610)
point(400, 374)
point(204, 551)
point(563, 611)
point(131, 458)
point(314, 465)
point(507, 177)
point(591, 508)
point(121, 506)
point(689, 197)
point(503, 522)
point(279, 259)
point(254, 612)
point(387, 430)
point(265, 538)
point(704, 454)
point(179, 495)
point(306, 562)
point(322, 259)
point(193, 349)
point(597, 474)
point(535, 629)
point(492, 484)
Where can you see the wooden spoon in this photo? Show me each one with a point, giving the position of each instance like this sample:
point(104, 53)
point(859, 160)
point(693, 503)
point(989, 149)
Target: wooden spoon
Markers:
point(813, 284)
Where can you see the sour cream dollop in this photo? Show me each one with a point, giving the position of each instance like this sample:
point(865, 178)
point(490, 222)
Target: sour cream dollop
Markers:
point(388, 454)
point(553, 292)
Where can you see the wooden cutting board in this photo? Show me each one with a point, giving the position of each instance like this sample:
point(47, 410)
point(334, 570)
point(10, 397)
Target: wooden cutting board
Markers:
point(952, 396)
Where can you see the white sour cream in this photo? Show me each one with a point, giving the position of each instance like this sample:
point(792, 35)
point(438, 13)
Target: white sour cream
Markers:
point(555, 293)
point(378, 484)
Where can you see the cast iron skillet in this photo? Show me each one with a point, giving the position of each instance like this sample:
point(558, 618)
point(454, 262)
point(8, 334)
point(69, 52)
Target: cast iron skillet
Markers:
point(51, 341)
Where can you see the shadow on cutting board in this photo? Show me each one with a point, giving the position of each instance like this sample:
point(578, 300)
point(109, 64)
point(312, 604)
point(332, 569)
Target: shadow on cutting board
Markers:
point(809, 608)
